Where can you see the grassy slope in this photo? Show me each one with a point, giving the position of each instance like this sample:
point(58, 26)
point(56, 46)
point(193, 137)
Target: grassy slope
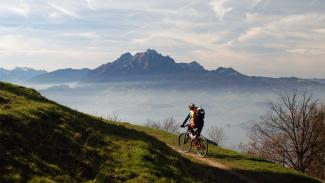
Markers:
point(41, 140)
point(251, 167)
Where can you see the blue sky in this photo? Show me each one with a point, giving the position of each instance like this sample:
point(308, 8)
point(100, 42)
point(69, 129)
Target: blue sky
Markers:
point(256, 37)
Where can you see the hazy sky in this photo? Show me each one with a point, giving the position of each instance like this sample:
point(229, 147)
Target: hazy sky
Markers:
point(256, 37)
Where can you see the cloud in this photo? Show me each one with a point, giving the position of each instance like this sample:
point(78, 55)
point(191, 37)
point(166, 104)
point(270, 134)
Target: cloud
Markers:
point(219, 8)
point(286, 33)
point(89, 4)
point(320, 31)
point(63, 11)
point(249, 35)
point(297, 51)
point(255, 3)
point(84, 35)
point(136, 29)
point(22, 9)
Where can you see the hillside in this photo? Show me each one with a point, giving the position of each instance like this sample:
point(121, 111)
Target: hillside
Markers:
point(42, 141)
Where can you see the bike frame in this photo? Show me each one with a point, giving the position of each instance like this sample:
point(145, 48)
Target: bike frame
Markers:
point(199, 138)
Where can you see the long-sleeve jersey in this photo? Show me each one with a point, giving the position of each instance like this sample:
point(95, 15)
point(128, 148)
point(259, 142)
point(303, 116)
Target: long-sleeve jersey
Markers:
point(191, 117)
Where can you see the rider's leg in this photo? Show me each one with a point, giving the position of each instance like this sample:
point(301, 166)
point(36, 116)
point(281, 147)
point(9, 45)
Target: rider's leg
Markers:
point(199, 129)
point(196, 142)
point(198, 133)
point(190, 129)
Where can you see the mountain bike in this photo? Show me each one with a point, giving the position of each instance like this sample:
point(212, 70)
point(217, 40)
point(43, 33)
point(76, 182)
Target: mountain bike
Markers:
point(187, 140)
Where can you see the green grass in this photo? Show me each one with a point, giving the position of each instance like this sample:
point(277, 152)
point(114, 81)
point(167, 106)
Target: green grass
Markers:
point(251, 167)
point(41, 141)
point(256, 168)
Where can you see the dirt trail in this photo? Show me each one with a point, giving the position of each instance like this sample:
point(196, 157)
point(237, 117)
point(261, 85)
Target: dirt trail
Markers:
point(215, 164)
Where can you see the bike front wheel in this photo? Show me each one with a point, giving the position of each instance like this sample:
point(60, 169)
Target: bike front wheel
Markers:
point(202, 147)
point(184, 142)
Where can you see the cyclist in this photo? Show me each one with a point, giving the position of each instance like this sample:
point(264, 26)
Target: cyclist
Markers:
point(196, 120)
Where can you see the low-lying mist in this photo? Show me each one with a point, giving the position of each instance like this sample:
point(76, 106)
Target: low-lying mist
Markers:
point(232, 109)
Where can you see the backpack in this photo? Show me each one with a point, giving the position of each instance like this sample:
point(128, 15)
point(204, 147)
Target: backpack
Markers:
point(200, 114)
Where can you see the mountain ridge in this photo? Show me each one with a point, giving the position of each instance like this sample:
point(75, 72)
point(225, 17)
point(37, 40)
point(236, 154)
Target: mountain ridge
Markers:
point(151, 63)
point(19, 74)
point(153, 66)
point(60, 76)
point(148, 62)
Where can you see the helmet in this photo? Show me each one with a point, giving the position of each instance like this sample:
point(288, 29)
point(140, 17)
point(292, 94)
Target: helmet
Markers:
point(192, 106)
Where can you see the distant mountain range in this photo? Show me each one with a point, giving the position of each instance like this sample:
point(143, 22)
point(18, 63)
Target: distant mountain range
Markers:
point(60, 76)
point(319, 80)
point(19, 74)
point(151, 66)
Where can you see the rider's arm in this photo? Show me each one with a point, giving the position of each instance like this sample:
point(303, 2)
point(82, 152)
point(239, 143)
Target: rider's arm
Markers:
point(187, 117)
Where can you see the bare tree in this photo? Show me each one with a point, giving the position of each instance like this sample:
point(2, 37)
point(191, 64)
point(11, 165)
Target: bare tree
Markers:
point(291, 133)
point(216, 135)
point(169, 125)
point(153, 124)
point(317, 167)
point(114, 117)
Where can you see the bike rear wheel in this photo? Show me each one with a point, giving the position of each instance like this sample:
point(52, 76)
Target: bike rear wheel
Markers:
point(202, 148)
point(184, 142)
